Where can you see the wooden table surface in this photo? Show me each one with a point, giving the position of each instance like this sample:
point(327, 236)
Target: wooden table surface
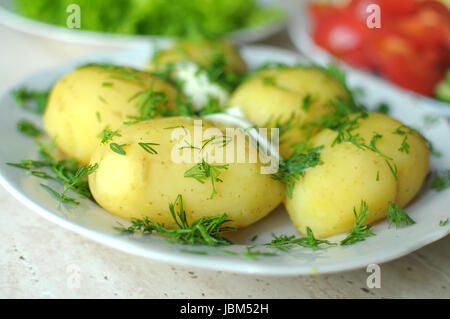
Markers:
point(36, 255)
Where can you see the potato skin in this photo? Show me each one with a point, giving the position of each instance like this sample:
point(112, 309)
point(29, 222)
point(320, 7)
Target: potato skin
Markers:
point(80, 106)
point(413, 166)
point(140, 184)
point(325, 197)
point(278, 94)
point(200, 52)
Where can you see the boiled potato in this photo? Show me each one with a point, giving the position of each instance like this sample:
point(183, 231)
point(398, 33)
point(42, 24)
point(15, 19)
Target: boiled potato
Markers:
point(280, 94)
point(91, 98)
point(325, 197)
point(140, 183)
point(201, 52)
point(206, 72)
point(412, 161)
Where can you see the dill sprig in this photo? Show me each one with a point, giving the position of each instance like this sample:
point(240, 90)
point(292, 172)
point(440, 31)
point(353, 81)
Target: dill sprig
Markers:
point(344, 135)
point(31, 100)
point(211, 107)
point(150, 104)
point(204, 171)
point(148, 147)
point(284, 126)
point(107, 135)
point(291, 169)
point(443, 223)
point(441, 180)
point(217, 71)
point(66, 172)
point(396, 215)
point(27, 128)
point(404, 147)
point(221, 140)
point(116, 148)
point(306, 102)
point(283, 242)
point(203, 231)
point(360, 231)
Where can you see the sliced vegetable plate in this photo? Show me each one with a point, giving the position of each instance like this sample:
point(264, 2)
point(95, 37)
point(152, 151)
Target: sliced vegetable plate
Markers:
point(299, 31)
point(248, 254)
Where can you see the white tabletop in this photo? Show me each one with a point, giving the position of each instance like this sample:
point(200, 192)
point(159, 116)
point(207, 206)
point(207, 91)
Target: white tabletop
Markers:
point(38, 258)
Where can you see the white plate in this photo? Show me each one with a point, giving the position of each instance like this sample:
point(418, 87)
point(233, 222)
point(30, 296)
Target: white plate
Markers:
point(13, 20)
point(299, 31)
point(92, 221)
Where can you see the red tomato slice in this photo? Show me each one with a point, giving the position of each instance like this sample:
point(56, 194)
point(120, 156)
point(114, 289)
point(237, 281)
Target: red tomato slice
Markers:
point(344, 36)
point(411, 73)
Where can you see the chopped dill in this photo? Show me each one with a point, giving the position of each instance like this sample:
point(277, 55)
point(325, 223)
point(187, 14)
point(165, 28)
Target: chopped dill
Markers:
point(203, 231)
point(27, 128)
point(284, 242)
point(360, 231)
point(148, 147)
point(204, 171)
point(396, 215)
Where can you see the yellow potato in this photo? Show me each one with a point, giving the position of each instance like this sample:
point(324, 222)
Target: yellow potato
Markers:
point(278, 94)
point(87, 100)
point(325, 197)
point(412, 163)
point(141, 184)
point(201, 52)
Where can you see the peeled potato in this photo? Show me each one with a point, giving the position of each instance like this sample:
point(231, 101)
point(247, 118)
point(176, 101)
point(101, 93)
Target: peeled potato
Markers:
point(278, 95)
point(201, 52)
point(325, 197)
point(412, 163)
point(141, 184)
point(85, 101)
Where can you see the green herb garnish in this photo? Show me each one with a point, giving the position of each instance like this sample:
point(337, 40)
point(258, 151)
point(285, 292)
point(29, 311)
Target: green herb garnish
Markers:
point(283, 242)
point(441, 180)
point(291, 169)
point(27, 128)
point(443, 223)
point(150, 104)
point(148, 147)
point(66, 172)
point(107, 135)
point(405, 146)
point(203, 231)
point(31, 100)
point(360, 231)
point(204, 171)
point(396, 215)
point(117, 148)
